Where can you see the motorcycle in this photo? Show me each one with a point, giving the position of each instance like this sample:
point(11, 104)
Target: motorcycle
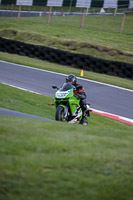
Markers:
point(68, 105)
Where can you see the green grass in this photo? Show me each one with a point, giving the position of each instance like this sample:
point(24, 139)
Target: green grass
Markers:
point(66, 70)
point(23, 101)
point(50, 160)
point(55, 160)
point(99, 37)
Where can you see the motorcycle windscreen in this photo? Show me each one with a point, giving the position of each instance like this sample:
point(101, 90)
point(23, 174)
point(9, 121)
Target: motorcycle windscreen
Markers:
point(66, 86)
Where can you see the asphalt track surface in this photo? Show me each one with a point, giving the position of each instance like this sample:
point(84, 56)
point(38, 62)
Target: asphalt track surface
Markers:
point(107, 98)
point(12, 113)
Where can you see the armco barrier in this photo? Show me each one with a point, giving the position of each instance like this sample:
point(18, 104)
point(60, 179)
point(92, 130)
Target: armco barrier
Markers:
point(86, 62)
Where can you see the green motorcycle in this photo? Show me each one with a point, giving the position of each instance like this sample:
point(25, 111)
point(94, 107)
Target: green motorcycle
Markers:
point(67, 104)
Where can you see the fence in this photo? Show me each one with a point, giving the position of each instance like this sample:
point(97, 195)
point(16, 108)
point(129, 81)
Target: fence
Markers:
point(73, 3)
point(81, 17)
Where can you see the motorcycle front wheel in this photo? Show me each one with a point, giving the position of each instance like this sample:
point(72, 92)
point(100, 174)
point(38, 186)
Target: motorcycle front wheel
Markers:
point(59, 115)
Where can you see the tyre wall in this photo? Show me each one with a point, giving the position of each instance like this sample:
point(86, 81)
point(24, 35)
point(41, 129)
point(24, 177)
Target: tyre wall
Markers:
point(86, 62)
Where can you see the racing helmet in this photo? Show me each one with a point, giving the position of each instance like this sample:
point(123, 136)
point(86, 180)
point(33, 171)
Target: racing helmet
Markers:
point(71, 78)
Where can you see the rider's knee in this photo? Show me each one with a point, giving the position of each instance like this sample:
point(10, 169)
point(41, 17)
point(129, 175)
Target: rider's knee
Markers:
point(83, 105)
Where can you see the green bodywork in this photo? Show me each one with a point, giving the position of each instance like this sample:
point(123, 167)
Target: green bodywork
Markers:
point(70, 98)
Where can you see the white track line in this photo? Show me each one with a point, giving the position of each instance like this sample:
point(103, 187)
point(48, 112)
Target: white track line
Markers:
point(110, 115)
point(21, 88)
point(24, 66)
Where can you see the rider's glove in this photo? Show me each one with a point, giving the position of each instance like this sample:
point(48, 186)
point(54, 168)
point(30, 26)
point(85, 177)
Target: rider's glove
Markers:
point(77, 96)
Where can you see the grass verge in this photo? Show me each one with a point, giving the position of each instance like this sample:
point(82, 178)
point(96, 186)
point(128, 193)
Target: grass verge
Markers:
point(99, 37)
point(50, 160)
point(126, 83)
point(54, 160)
point(23, 101)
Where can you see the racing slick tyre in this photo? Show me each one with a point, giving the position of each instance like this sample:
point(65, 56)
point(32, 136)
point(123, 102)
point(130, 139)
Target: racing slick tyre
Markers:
point(59, 115)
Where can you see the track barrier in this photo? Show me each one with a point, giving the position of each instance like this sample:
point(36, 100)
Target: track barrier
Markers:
point(81, 61)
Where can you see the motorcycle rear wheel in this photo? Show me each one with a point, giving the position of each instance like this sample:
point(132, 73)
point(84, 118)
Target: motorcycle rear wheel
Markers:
point(59, 115)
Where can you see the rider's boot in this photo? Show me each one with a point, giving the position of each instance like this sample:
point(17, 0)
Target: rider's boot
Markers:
point(83, 120)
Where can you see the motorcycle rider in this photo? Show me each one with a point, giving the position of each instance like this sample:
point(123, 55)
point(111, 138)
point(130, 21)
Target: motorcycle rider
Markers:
point(79, 93)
